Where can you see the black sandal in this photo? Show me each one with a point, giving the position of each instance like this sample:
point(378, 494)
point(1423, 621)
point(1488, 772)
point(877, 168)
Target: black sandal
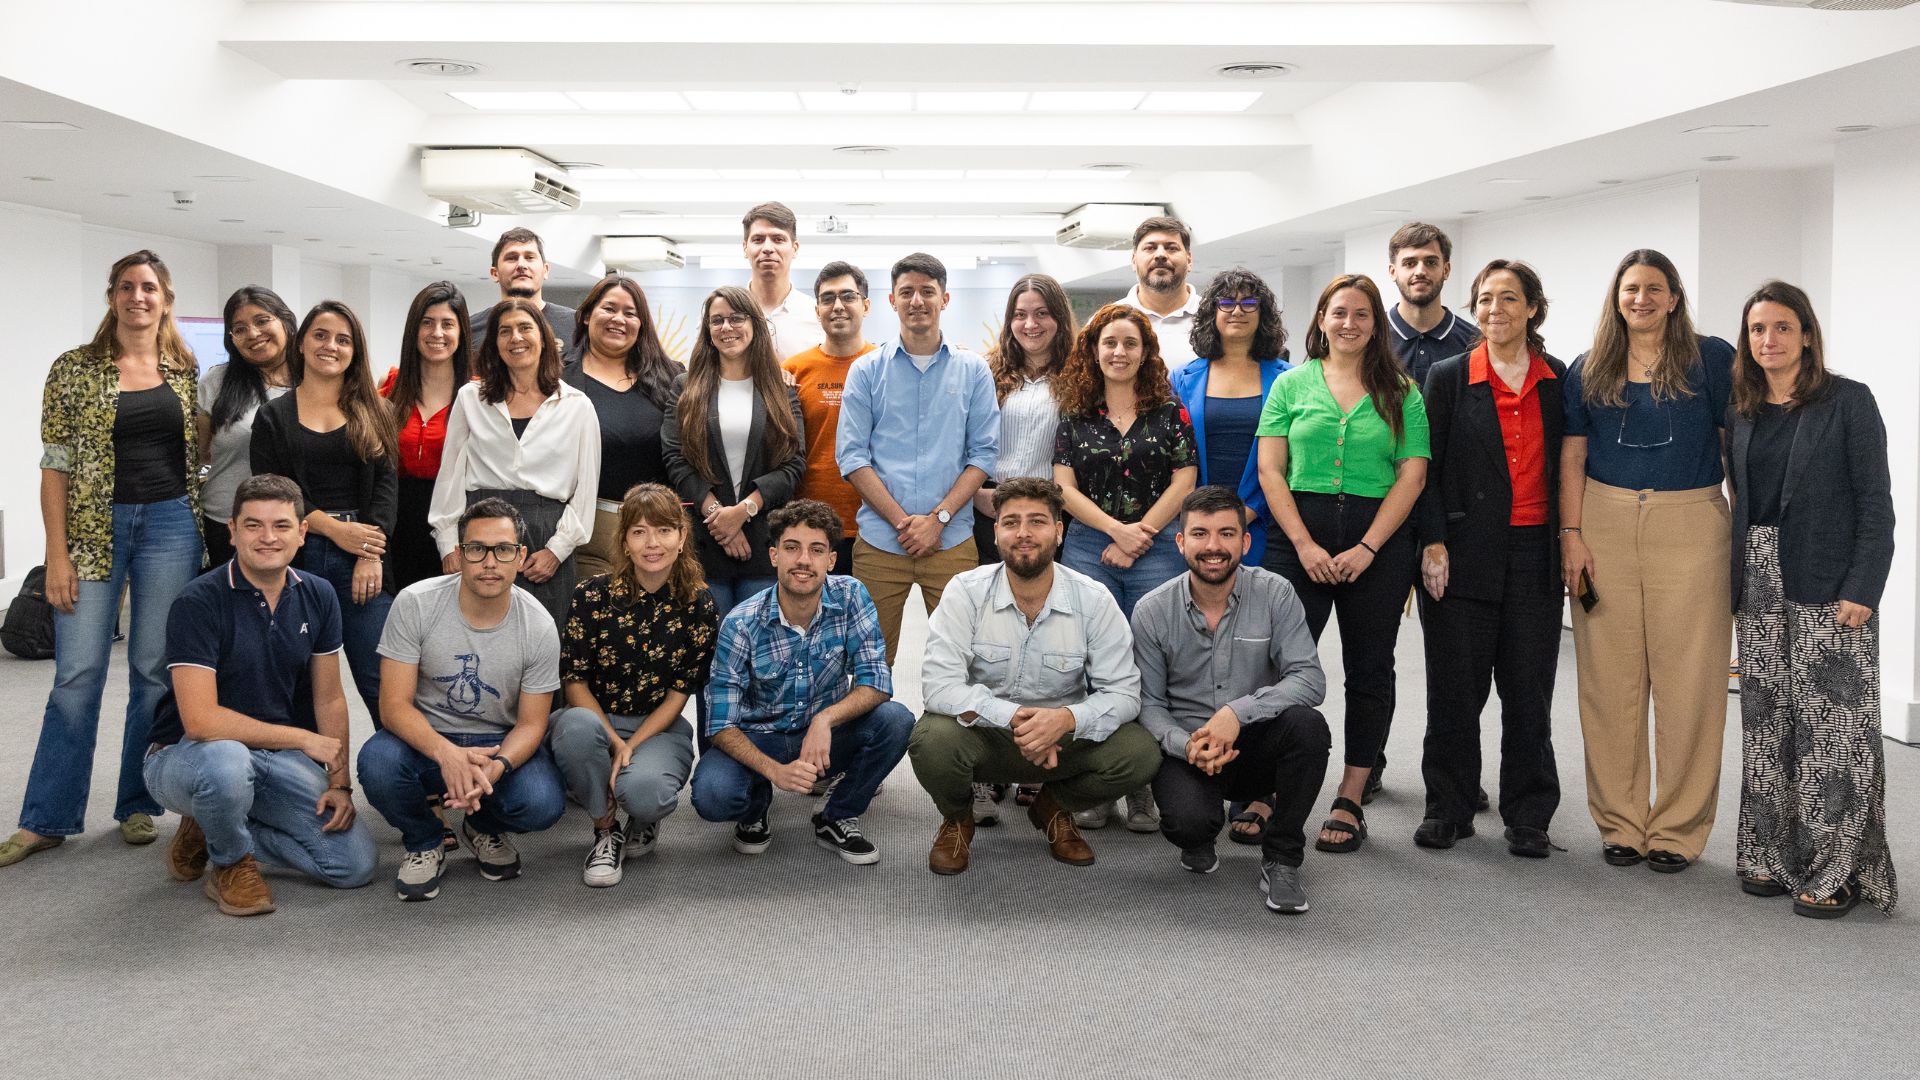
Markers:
point(1355, 833)
point(1761, 886)
point(1834, 907)
point(1248, 817)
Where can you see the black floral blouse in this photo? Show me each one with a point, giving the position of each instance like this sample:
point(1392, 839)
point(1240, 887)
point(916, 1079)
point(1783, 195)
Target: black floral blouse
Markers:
point(631, 657)
point(1125, 474)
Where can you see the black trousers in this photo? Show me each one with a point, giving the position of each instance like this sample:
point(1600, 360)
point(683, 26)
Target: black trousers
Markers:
point(1369, 609)
point(411, 548)
point(1473, 645)
point(1284, 758)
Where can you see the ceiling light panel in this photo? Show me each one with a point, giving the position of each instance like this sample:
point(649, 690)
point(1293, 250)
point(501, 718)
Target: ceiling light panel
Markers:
point(1199, 101)
point(743, 100)
point(834, 101)
point(675, 174)
point(970, 101)
point(1088, 174)
point(515, 100)
point(1006, 174)
point(840, 174)
point(759, 174)
point(1084, 100)
point(629, 100)
point(925, 174)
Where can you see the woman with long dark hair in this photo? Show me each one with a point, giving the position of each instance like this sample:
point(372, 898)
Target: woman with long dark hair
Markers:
point(1490, 565)
point(260, 333)
point(636, 645)
point(735, 444)
point(1813, 543)
point(1343, 456)
point(333, 436)
point(1644, 542)
point(434, 362)
point(618, 361)
point(522, 435)
point(1036, 336)
point(119, 497)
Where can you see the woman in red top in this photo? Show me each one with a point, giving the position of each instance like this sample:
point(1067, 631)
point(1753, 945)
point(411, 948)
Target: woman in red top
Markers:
point(1490, 565)
point(433, 364)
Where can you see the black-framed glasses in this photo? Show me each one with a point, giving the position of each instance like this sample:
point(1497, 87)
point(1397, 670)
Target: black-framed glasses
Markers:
point(849, 297)
point(736, 320)
point(502, 553)
point(1248, 304)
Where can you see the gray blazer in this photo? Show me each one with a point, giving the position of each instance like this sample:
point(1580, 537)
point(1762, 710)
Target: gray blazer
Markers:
point(1836, 505)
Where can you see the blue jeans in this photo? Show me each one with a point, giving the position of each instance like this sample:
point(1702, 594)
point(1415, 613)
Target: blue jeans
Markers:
point(727, 595)
point(360, 624)
point(866, 750)
point(397, 779)
point(156, 551)
point(260, 802)
point(1161, 564)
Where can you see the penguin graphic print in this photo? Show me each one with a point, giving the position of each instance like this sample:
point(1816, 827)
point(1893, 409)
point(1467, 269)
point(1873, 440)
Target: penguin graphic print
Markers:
point(466, 691)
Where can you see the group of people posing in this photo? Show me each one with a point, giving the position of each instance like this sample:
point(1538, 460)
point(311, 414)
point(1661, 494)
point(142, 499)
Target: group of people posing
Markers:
point(539, 540)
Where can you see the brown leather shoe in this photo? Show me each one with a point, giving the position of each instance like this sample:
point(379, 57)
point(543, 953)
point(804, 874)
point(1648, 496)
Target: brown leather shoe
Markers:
point(239, 889)
point(1063, 836)
point(950, 846)
point(187, 854)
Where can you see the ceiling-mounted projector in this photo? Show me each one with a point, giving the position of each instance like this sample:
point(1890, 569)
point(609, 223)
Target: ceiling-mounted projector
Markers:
point(503, 180)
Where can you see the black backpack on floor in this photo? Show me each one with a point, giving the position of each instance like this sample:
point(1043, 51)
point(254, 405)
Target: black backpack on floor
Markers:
point(28, 630)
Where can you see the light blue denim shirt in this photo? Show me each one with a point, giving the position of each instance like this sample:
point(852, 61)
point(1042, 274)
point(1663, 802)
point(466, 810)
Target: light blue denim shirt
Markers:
point(918, 431)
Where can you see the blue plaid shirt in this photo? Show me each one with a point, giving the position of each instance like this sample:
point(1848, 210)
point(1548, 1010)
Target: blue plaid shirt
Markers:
point(768, 676)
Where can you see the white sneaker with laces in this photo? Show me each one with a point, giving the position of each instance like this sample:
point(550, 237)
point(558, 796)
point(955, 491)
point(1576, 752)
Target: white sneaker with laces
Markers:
point(605, 858)
point(641, 838)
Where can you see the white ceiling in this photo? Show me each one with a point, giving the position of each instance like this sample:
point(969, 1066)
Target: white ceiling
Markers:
point(1392, 109)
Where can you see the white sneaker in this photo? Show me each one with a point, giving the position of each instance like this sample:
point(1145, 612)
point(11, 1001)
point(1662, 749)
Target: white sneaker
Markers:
point(498, 858)
point(1093, 817)
point(1143, 814)
point(420, 874)
point(985, 810)
point(605, 858)
point(641, 838)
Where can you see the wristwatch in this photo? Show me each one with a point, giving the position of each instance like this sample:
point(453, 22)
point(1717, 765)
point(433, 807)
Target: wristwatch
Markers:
point(943, 515)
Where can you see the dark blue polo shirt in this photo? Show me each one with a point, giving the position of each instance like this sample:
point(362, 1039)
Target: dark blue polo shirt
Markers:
point(260, 656)
point(1451, 336)
point(1648, 445)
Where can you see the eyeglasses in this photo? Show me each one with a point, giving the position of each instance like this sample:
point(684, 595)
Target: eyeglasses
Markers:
point(848, 298)
point(1248, 304)
point(1637, 445)
point(261, 324)
point(736, 320)
point(502, 553)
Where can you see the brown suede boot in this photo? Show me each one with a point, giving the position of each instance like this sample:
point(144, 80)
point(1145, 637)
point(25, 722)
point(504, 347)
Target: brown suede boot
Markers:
point(950, 846)
point(1063, 836)
point(239, 889)
point(187, 854)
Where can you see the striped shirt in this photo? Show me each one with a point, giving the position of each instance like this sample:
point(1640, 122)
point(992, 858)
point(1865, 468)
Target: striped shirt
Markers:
point(1028, 418)
point(769, 675)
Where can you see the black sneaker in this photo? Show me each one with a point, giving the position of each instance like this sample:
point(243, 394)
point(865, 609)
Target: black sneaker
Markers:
point(844, 837)
point(753, 837)
point(1201, 860)
point(1375, 783)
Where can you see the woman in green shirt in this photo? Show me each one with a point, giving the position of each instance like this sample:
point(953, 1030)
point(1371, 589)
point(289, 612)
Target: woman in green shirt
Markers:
point(1343, 455)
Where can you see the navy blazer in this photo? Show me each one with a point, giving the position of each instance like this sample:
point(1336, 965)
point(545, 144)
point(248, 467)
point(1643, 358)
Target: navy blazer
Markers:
point(1836, 503)
point(1468, 501)
point(1190, 386)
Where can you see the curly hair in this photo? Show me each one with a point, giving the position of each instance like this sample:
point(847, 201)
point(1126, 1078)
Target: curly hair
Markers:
point(1080, 388)
point(1269, 338)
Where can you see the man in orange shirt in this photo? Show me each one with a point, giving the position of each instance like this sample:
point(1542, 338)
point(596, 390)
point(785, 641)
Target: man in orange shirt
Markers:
point(840, 295)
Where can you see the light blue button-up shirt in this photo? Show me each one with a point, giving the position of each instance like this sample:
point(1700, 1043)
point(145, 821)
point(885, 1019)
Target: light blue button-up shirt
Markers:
point(918, 431)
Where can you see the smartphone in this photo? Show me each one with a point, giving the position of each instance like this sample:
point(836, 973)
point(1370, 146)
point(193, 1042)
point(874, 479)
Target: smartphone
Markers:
point(1585, 594)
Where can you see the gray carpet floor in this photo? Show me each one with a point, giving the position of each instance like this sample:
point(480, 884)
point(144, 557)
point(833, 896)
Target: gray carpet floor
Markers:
point(1412, 963)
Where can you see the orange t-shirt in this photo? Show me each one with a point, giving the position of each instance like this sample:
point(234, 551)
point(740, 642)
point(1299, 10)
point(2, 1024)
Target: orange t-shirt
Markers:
point(819, 380)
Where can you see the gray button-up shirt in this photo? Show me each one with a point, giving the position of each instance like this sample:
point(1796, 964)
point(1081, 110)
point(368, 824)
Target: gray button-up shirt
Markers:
point(984, 659)
point(1259, 661)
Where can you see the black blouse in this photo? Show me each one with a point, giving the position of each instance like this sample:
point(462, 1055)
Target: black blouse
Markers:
point(149, 446)
point(1767, 461)
point(631, 657)
point(1125, 474)
point(629, 434)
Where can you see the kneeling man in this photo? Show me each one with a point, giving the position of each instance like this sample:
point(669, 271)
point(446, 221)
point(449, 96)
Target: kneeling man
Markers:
point(1030, 679)
point(249, 767)
point(468, 669)
point(1228, 683)
point(800, 690)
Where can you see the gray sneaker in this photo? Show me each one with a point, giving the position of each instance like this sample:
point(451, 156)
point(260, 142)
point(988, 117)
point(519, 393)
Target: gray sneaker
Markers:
point(985, 810)
point(641, 838)
point(605, 858)
point(1093, 817)
point(496, 854)
point(1143, 814)
point(420, 874)
point(1281, 883)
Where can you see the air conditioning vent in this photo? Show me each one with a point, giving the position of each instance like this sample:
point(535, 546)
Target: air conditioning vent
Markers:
point(1104, 226)
point(505, 180)
point(638, 254)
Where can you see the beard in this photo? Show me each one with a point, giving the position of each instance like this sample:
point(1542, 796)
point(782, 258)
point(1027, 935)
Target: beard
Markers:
point(523, 290)
point(1028, 564)
point(1214, 573)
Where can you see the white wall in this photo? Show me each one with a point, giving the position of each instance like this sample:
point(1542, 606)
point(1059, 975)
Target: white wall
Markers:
point(193, 264)
point(44, 320)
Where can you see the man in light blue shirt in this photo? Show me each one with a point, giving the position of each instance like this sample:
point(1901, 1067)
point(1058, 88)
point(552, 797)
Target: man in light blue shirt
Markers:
point(919, 431)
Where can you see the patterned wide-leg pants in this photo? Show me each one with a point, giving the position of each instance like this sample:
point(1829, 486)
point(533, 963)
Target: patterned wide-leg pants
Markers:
point(1812, 790)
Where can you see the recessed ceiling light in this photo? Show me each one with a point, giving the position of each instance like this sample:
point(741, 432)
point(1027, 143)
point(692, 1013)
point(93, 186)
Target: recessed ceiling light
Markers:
point(1850, 129)
point(41, 125)
point(440, 66)
point(1611, 183)
point(1083, 100)
point(1721, 129)
point(1721, 157)
point(1470, 213)
point(1333, 243)
point(969, 101)
point(313, 239)
point(835, 101)
point(276, 232)
point(863, 148)
point(182, 209)
point(233, 221)
point(1199, 101)
point(1296, 249)
point(515, 100)
point(39, 179)
point(223, 178)
point(744, 100)
point(118, 195)
point(1538, 198)
point(1509, 180)
point(1254, 69)
point(1110, 166)
point(629, 100)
